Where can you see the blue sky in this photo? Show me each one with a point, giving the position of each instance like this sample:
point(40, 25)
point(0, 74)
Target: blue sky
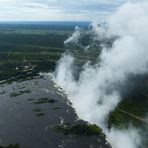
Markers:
point(57, 10)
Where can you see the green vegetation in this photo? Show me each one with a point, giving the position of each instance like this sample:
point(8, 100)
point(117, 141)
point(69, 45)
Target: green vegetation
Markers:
point(26, 50)
point(40, 114)
point(44, 100)
point(80, 129)
point(137, 107)
point(14, 94)
point(118, 119)
point(37, 110)
point(30, 99)
point(11, 146)
point(57, 108)
point(19, 78)
point(133, 107)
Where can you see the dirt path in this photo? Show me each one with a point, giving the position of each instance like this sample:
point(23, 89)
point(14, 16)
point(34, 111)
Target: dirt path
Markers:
point(134, 116)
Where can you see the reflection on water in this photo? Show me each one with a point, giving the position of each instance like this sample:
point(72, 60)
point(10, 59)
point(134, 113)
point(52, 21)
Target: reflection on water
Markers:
point(30, 110)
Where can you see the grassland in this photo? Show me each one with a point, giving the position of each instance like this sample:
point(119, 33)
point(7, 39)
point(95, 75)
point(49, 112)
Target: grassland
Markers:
point(27, 51)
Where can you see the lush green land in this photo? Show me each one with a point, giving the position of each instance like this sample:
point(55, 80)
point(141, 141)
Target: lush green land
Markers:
point(26, 50)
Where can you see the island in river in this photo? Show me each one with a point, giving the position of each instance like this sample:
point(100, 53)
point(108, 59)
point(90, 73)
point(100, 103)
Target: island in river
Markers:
point(36, 113)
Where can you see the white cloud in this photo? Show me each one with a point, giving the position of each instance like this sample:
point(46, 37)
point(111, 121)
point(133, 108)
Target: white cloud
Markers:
point(95, 94)
point(57, 9)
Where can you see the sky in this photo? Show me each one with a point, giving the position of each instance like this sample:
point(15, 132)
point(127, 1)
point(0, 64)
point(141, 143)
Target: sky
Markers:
point(57, 10)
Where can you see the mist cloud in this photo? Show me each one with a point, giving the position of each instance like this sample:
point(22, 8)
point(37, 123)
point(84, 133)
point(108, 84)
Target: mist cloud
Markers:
point(94, 95)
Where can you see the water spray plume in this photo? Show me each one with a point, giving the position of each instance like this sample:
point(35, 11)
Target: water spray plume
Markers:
point(94, 95)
